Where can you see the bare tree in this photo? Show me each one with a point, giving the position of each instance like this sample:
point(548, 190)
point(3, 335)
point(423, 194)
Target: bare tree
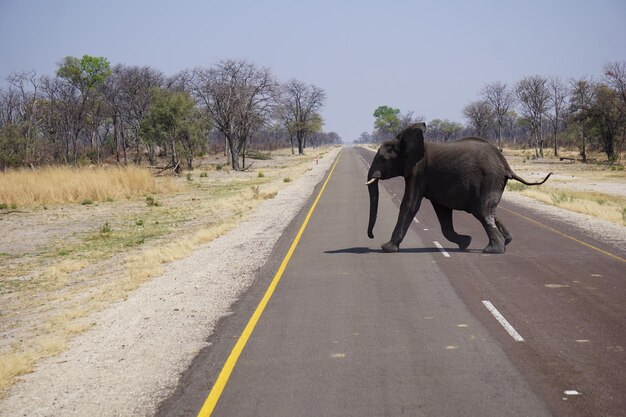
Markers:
point(409, 118)
point(298, 103)
point(27, 84)
point(136, 86)
point(238, 97)
point(582, 94)
point(532, 93)
point(558, 93)
point(480, 116)
point(615, 76)
point(501, 100)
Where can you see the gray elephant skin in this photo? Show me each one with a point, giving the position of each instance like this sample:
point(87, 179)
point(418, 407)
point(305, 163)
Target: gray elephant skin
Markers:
point(468, 175)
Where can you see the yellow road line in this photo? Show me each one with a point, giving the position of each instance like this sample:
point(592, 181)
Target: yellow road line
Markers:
point(222, 379)
point(565, 235)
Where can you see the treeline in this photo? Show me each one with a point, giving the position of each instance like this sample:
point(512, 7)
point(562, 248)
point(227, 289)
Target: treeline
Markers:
point(535, 112)
point(91, 112)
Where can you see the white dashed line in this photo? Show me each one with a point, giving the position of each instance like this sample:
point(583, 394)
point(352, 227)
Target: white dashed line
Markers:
point(441, 249)
point(507, 326)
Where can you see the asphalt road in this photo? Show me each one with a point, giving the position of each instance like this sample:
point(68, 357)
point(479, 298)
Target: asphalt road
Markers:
point(352, 331)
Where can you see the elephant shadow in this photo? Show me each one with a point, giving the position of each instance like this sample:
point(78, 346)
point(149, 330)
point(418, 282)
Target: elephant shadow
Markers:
point(361, 250)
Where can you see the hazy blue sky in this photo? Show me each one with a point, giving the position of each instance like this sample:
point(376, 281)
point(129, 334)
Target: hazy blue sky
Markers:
point(429, 57)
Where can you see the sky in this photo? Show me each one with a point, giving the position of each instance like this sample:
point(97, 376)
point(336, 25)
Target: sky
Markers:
point(429, 57)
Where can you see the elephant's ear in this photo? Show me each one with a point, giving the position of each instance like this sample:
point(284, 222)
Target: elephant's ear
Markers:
point(412, 143)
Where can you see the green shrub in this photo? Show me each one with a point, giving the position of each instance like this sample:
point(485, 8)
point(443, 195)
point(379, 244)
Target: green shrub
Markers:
point(105, 230)
point(151, 202)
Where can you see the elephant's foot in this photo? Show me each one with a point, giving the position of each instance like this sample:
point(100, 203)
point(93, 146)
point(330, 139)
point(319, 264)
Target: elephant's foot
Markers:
point(508, 239)
point(495, 248)
point(463, 241)
point(390, 247)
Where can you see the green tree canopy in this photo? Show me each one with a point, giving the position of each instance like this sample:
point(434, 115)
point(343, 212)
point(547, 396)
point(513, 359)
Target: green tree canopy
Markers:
point(85, 73)
point(387, 120)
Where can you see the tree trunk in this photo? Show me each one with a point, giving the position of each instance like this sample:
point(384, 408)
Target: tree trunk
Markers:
point(116, 138)
point(583, 153)
point(234, 159)
point(123, 135)
point(243, 154)
point(300, 138)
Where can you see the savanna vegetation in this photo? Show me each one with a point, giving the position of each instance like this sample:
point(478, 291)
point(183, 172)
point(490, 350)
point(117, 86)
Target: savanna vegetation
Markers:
point(90, 112)
point(585, 114)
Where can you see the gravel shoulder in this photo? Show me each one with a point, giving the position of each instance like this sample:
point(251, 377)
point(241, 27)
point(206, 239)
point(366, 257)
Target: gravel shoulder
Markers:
point(134, 354)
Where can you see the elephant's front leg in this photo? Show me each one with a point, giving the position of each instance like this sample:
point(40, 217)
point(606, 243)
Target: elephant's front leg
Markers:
point(408, 209)
point(444, 215)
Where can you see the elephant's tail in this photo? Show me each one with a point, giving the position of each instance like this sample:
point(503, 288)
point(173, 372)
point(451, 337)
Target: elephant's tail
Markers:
point(514, 176)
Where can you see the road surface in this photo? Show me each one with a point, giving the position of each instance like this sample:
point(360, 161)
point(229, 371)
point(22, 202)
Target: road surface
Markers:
point(430, 331)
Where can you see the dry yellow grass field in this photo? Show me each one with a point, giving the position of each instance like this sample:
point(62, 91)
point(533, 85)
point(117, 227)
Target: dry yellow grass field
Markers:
point(61, 184)
point(74, 241)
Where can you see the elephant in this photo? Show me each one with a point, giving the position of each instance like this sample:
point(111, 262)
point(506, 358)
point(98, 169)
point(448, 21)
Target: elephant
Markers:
point(468, 175)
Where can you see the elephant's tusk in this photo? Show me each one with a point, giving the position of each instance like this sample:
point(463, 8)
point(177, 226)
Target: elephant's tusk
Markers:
point(371, 181)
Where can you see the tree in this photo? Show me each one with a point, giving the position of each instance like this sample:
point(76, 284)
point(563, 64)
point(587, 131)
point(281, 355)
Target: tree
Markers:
point(14, 147)
point(386, 122)
point(557, 99)
point(299, 103)
point(480, 116)
point(364, 137)
point(407, 119)
point(443, 130)
point(26, 83)
point(450, 129)
point(172, 122)
point(615, 76)
point(128, 94)
point(606, 120)
point(532, 93)
point(501, 100)
point(84, 76)
point(237, 97)
point(582, 93)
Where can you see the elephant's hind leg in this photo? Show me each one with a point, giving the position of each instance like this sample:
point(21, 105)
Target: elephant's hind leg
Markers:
point(508, 237)
point(496, 240)
point(444, 215)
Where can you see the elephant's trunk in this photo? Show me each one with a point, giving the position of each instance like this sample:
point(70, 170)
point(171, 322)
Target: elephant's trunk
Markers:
point(373, 190)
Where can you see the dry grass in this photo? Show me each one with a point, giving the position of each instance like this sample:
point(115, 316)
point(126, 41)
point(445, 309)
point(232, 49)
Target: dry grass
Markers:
point(603, 206)
point(78, 267)
point(62, 185)
point(595, 188)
